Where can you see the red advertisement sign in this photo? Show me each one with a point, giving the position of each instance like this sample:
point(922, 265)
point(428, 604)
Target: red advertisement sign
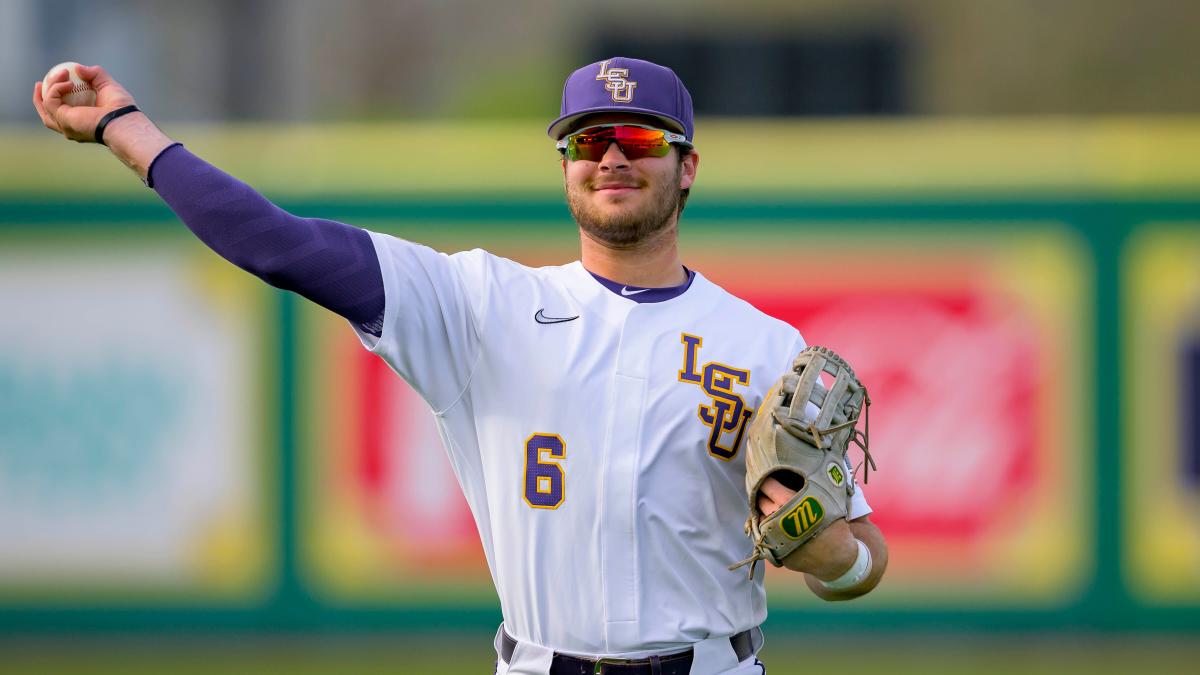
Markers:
point(952, 374)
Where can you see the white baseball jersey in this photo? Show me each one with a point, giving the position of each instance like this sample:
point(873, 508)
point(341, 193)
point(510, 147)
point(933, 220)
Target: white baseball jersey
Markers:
point(598, 441)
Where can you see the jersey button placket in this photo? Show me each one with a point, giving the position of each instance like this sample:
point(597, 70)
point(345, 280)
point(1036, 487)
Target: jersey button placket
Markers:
point(618, 550)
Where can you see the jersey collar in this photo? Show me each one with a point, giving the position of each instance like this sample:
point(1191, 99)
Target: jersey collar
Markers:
point(595, 298)
point(644, 294)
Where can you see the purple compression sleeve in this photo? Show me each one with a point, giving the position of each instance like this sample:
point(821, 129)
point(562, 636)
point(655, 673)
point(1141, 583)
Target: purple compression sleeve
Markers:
point(330, 263)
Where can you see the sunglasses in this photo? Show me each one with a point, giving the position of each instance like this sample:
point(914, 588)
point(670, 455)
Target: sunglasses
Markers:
point(634, 140)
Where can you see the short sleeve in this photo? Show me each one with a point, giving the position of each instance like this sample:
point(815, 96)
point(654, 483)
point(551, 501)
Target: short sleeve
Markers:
point(434, 305)
point(858, 504)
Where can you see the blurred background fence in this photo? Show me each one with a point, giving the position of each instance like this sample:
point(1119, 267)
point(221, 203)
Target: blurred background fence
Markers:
point(1012, 190)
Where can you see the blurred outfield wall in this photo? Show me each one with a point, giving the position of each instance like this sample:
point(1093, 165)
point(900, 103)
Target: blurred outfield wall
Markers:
point(183, 447)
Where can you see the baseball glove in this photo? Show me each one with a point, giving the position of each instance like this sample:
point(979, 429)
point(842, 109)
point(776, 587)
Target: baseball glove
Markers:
point(801, 435)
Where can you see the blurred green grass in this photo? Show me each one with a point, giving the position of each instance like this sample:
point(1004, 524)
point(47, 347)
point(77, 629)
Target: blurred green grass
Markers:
point(925, 653)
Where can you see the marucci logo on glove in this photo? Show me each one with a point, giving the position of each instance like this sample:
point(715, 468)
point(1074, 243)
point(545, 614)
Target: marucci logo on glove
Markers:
point(804, 517)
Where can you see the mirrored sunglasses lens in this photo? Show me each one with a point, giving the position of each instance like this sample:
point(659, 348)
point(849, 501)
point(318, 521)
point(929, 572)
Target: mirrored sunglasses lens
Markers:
point(635, 143)
point(589, 146)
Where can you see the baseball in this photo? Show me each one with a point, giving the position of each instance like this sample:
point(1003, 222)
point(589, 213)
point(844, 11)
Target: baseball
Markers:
point(81, 94)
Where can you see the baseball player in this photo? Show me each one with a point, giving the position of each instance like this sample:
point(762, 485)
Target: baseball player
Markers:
point(595, 413)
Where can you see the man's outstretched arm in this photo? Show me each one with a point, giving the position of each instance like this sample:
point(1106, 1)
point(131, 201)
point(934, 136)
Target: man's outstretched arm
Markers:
point(330, 263)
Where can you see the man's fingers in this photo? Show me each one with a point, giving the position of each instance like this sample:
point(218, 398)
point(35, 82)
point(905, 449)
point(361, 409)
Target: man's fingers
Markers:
point(53, 98)
point(94, 75)
point(778, 492)
point(50, 102)
point(97, 77)
point(61, 89)
point(91, 73)
point(41, 109)
point(48, 98)
point(109, 92)
point(772, 494)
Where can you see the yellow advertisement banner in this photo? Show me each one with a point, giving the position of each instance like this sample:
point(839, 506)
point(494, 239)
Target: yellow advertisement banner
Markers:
point(1160, 449)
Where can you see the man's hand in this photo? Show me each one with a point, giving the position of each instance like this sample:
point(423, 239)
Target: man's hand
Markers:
point(828, 555)
point(78, 123)
point(133, 138)
point(831, 553)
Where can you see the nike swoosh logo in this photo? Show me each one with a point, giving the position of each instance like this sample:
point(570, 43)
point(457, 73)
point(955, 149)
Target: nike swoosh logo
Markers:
point(626, 292)
point(541, 317)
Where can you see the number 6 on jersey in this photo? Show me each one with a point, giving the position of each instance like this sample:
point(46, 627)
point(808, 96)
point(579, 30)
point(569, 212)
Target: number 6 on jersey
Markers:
point(544, 477)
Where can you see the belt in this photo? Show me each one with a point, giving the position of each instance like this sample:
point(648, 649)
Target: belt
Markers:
point(679, 663)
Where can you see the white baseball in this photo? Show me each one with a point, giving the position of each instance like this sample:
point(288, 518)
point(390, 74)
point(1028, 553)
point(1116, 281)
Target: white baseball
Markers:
point(81, 94)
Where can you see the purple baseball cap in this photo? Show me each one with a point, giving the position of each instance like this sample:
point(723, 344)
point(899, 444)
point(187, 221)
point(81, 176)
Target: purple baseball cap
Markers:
point(625, 85)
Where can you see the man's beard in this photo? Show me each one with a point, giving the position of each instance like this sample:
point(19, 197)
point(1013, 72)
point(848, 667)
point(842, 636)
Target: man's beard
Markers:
point(628, 227)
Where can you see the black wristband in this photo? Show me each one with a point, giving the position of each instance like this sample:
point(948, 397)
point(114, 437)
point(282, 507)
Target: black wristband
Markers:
point(112, 115)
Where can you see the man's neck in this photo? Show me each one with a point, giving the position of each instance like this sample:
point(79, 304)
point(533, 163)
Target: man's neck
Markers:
point(651, 264)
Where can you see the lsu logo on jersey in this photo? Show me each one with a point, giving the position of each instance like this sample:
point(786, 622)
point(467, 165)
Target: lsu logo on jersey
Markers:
point(726, 416)
point(616, 84)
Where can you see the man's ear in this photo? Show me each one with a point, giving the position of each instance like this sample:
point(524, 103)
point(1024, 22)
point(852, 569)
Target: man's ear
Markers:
point(687, 175)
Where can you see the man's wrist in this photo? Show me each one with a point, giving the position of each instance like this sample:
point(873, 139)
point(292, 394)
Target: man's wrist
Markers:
point(136, 141)
point(110, 116)
point(859, 570)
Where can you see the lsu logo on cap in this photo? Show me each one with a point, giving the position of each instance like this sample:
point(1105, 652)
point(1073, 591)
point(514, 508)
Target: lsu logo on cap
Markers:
point(802, 518)
point(615, 82)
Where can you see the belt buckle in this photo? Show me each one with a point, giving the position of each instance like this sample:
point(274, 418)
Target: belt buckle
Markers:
point(601, 662)
point(653, 662)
